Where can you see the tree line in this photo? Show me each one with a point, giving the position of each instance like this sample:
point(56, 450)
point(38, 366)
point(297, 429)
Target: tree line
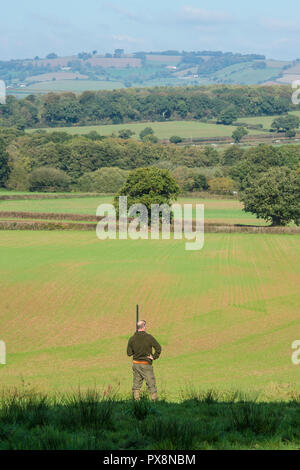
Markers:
point(22, 154)
point(145, 104)
point(58, 161)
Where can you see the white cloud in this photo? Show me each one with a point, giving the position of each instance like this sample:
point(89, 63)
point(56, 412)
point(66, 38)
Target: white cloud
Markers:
point(128, 14)
point(191, 14)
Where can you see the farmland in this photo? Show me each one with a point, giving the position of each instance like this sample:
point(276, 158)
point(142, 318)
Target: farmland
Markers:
point(220, 211)
point(163, 130)
point(237, 302)
point(77, 86)
point(149, 70)
point(226, 317)
point(188, 130)
point(266, 121)
point(245, 73)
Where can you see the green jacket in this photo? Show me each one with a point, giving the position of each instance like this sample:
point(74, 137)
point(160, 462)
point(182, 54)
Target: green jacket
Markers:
point(140, 346)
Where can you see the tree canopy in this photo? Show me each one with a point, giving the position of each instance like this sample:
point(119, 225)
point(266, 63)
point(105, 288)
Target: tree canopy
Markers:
point(149, 186)
point(274, 196)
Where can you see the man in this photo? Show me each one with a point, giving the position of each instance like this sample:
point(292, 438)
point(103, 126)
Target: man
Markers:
point(140, 347)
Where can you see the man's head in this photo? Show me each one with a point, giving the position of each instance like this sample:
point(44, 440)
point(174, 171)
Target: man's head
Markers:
point(141, 325)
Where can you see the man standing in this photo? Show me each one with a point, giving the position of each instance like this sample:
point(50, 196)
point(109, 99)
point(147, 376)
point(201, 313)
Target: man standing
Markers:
point(140, 347)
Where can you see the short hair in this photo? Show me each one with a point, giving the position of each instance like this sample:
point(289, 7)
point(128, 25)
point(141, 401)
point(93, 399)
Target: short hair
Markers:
point(141, 324)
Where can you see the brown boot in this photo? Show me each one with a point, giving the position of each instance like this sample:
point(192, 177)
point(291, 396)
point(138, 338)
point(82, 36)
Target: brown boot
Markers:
point(154, 396)
point(136, 395)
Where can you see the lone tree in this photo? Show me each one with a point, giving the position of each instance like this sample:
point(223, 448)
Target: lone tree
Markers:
point(238, 134)
point(149, 186)
point(274, 196)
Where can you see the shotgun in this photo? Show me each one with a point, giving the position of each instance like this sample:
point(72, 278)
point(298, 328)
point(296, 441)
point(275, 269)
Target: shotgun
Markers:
point(137, 315)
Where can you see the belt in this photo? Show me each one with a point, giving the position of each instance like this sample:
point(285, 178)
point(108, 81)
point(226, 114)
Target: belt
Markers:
point(141, 362)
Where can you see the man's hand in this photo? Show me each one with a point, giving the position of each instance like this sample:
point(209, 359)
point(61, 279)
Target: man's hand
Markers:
point(150, 357)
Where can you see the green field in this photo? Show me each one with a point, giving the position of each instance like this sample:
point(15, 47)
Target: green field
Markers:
point(227, 211)
point(163, 130)
point(77, 86)
point(244, 73)
point(266, 121)
point(226, 315)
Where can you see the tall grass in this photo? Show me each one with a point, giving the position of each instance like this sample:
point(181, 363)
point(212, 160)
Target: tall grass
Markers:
point(91, 419)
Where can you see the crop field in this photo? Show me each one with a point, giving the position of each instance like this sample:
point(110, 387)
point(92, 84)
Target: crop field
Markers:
point(226, 315)
point(163, 130)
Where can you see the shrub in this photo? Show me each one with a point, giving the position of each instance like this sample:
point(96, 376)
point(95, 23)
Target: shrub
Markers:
point(47, 179)
point(290, 133)
point(145, 132)
point(285, 123)
point(125, 133)
point(190, 179)
point(175, 139)
point(18, 178)
point(151, 139)
point(104, 180)
point(221, 185)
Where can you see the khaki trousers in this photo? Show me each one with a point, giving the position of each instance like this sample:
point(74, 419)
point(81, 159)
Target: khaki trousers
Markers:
point(143, 372)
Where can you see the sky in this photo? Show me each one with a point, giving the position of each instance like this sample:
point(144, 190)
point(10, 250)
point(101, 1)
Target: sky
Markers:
point(30, 28)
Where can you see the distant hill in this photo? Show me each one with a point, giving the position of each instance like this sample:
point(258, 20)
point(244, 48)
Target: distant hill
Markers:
point(143, 69)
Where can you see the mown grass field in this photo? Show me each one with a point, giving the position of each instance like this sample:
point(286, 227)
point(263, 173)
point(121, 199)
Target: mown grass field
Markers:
point(226, 315)
point(76, 86)
point(163, 130)
point(220, 210)
point(266, 121)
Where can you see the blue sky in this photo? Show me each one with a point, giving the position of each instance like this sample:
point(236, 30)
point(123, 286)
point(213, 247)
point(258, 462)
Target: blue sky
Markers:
point(34, 27)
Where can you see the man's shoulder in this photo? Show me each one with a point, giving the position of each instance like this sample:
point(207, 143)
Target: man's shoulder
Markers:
point(151, 337)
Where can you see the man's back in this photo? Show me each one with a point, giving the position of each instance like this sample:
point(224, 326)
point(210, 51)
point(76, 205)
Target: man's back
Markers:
point(140, 347)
